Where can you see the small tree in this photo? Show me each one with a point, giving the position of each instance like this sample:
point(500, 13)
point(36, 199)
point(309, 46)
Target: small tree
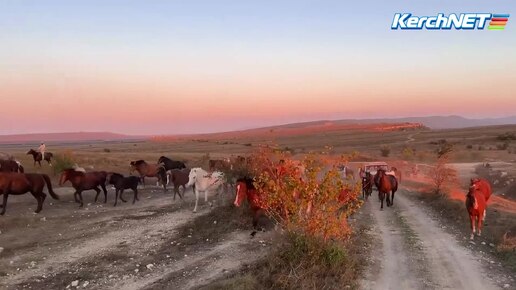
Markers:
point(385, 151)
point(444, 149)
point(442, 175)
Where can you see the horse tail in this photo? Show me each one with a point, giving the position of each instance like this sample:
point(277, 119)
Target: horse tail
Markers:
point(49, 185)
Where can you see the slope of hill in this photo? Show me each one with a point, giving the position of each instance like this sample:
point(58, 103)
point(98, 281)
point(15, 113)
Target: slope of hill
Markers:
point(300, 129)
point(70, 136)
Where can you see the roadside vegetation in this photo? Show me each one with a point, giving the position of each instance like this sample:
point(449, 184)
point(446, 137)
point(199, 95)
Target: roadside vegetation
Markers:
point(315, 246)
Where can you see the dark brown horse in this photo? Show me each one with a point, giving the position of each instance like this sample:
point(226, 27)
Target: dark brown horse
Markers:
point(82, 181)
point(38, 158)
point(476, 206)
point(11, 166)
point(145, 169)
point(170, 164)
point(179, 177)
point(367, 185)
point(19, 183)
point(387, 184)
point(121, 183)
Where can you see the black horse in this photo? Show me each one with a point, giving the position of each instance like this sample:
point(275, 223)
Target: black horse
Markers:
point(170, 164)
point(38, 158)
point(367, 185)
point(121, 183)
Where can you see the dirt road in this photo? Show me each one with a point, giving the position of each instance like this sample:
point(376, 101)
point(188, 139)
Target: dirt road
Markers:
point(158, 243)
point(413, 251)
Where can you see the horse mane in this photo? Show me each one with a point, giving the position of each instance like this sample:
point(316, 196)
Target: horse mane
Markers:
point(139, 162)
point(165, 158)
point(68, 170)
point(116, 174)
point(249, 182)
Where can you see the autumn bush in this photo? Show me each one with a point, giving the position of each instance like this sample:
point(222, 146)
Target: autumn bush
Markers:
point(311, 202)
point(308, 196)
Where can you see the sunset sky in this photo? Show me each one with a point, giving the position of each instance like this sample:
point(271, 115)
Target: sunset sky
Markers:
point(167, 67)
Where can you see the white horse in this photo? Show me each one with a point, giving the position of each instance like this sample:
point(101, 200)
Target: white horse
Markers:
point(205, 182)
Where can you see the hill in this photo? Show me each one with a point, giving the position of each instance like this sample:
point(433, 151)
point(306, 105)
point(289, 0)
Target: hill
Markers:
point(69, 136)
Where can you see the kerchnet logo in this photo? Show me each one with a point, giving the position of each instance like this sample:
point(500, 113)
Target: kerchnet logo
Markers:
point(441, 21)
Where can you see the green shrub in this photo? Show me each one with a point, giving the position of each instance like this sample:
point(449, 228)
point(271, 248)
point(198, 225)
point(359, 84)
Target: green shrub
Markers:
point(62, 161)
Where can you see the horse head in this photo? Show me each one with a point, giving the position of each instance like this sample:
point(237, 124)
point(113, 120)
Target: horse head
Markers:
point(192, 176)
point(162, 159)
point(31, 152)
point(242, 186)
point(65, 176)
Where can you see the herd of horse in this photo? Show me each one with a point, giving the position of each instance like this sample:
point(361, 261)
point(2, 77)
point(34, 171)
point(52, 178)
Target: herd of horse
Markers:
point(14, 181)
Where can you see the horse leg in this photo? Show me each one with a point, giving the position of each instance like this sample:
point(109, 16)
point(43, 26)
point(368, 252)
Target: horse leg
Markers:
point(472, 221)
point(4, 205)
point(76, 193)
point(40, 197)
point(484, 217)
point(196, 200)
point(122, 195)
point(116, 197)
point(479, 225)
point(98, 192)
point(206, 197)
point(79, 193)
point(381, 200)
point(392, 200)
point(135, 197)
point(103, 186)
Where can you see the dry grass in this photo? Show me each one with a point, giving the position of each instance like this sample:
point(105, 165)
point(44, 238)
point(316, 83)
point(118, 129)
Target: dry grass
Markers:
point(500, 227)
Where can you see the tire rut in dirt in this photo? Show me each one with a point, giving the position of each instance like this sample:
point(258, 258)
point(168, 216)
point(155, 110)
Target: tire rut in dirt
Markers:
point(398, 252)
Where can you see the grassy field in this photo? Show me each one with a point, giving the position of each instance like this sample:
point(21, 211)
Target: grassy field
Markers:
point(470, 145)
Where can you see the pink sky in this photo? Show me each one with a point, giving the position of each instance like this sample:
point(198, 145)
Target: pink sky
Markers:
point(165, 78)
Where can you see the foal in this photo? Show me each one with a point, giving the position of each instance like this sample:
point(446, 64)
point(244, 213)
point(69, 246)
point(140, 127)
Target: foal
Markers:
point(121, 183)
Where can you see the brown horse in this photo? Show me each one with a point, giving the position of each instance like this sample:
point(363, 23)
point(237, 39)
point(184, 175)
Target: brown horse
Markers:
point(145, 169)
point(476, 206)
point(121, 183)
point(386, 184)
point(484, 186)
point(38, 158)
point(19, 183)
point(11, 166)
point(367, 185)
point(179, 177)
point(82, 181)
point(245, 189)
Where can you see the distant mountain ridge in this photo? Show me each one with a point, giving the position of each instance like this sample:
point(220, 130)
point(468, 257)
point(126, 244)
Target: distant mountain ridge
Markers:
point(432, 122)
point(67, 136)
